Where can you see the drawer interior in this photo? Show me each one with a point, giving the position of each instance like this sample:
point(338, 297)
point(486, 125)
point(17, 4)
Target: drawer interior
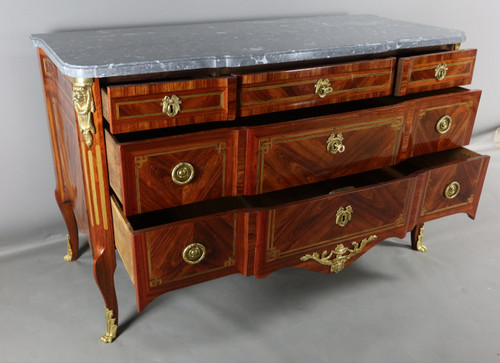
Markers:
point(411, 166)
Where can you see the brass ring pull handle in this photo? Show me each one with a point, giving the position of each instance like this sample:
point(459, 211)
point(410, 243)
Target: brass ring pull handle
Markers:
point(452, 190)
point(444, 124)
point(323, 87)
point(440, 71)
point(182, 173)
point(334, 143)
point(343, 216)
point(194, 253)
point(171, 106)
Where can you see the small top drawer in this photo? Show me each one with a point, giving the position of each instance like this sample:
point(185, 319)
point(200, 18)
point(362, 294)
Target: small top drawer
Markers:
point(434, 71)
point(130, 108)
point(286, 90)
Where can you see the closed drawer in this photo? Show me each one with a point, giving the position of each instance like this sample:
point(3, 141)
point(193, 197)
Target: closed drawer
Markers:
point(286, 90)
point(170, 256)
point(434, 71)
point(153, 174)
point(131, 108)
point(444, 122)
point(310, 150)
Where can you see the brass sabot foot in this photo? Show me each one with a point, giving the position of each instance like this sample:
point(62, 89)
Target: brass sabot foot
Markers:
point(111, 326)
point(422, 248)
point(69, 254)
point(419, 246)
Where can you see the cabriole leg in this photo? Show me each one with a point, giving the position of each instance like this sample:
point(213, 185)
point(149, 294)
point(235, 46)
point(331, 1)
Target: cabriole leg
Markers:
point(417, 235)
point(104, 267)
point(72, 237)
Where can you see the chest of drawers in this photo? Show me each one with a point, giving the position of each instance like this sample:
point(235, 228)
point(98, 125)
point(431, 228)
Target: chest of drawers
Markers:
point(198, 151)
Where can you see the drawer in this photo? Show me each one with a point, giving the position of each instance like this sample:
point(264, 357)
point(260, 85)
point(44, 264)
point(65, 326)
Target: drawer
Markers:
point(454, 188)
point(286, 90)
point(293, 227)
point(291, 231)
point(138, 107)
point(444, 122)
point(153, 174)
point(364, 209)
point(174, 255)
point(434, 71)
point(310, 150)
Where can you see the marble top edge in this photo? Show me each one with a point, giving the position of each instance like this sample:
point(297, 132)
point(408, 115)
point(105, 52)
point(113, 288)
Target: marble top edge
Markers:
point(153, 49)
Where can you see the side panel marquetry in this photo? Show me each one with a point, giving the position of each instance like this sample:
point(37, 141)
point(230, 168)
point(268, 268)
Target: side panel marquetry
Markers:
point(65, 143)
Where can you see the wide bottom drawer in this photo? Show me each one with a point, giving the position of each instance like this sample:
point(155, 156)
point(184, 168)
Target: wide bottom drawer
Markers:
point(367, 208)
point(323, 226)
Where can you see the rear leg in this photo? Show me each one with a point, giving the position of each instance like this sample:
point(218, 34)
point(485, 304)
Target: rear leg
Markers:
point(72, 237)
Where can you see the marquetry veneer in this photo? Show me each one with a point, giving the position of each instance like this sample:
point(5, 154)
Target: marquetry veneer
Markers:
point(196, 174)
point(284, 154)
point(385, 203)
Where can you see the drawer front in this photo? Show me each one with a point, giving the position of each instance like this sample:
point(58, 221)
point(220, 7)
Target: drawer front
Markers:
point(444, 122)
point(434, 71)
point(292, 230)
point(178, 255)
point(307, 151)
point(454, 188)
point(286, 90)
point(149, 106)
point(171, 171)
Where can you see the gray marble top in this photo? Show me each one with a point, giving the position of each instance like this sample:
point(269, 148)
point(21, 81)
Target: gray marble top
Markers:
point(118, 52)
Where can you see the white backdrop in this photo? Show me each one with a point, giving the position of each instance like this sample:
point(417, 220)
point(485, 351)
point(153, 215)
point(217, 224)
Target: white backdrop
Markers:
point(28, 212)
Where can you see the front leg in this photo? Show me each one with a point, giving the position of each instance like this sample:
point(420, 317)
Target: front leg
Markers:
point(417, 235)
point(88, 115)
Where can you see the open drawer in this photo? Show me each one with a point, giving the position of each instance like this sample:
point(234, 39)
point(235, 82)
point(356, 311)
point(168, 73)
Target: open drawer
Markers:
point(135, 107)
point(369, 207)
point(177, 254)
point(159, 173)
point(257, 235)
point(434, 71)
point(291, 89)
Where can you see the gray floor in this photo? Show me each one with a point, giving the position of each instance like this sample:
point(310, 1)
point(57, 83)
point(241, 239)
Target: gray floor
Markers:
point(392, 305)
